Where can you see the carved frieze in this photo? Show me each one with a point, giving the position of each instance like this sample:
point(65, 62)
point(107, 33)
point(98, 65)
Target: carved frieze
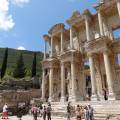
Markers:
point(97, 45)
point(71, 55)
point(51, 63)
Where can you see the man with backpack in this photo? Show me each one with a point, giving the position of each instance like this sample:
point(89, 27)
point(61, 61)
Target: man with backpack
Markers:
point(35, 112)
point(49, 112)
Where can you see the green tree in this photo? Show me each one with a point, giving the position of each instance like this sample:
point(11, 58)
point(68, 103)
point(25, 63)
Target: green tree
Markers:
point(4, 64)
point(19, 71)
point(34, 66)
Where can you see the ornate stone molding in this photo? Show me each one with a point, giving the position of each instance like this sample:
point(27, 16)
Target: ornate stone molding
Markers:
point(71, 55)
point(97, 45)
point(56, 29)
point(51, 63)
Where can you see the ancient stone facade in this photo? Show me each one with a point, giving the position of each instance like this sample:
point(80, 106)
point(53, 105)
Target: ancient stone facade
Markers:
point(89, 38)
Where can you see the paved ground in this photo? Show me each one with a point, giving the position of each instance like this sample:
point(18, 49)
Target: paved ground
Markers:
point(28, 117)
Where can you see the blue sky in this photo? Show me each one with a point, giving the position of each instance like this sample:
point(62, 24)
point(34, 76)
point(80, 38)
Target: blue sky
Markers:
point(29, 20)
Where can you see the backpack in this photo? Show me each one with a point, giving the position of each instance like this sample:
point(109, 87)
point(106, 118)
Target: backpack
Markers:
point(34, 110)
point(48, 109)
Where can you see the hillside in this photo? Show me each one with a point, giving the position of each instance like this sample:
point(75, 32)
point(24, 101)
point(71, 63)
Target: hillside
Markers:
point(13, 55)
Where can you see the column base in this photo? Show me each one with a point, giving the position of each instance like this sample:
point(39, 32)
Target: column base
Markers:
point(101, 98)
point(94, 98)
point(43, 99)
point(50, 99)
point(111, 96)
point(63, 99)
point(72, 98)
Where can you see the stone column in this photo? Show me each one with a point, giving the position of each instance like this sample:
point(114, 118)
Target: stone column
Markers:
point(62, 82)
point(71, 38)
point(109, 75)
point(118, 6)
point(62, 42)
point(45, 50)
point(93, 80)
point(50, 84)
point(87, 28)
point(73, 80)
point(100, 23)
point(51, 46)
point(43, 85)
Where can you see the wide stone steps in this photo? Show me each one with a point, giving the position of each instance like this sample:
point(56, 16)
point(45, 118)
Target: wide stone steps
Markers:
point(101, 109)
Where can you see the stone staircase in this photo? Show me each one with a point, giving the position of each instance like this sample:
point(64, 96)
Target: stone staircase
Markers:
point(102, 109)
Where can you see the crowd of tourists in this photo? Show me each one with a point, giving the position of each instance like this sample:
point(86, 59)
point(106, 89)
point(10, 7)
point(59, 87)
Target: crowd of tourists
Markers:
point(44, 111)
point(81, 112)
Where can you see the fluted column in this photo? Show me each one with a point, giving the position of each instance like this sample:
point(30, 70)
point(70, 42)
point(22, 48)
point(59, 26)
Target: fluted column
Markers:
point(73, 97)
point(62, 82)
point(100, 23)
point(118, 6)
point(62, 42)
point(51, 46)
point(71, 38)
point(43, 85)
point(50, 84)
point(45, 50)
point(109, 75)
point(93, 80)
point(87, 28)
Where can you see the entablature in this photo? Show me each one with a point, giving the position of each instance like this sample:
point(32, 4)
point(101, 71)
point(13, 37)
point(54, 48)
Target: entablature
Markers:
point(51, 63)
point(98, 45)
point(57, 29)
point(71, 55)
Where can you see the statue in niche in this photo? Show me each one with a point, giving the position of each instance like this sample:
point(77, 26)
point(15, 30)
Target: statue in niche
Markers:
point(69, 84)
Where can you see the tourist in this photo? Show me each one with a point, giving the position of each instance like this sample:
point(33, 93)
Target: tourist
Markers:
point(44, 112)
point(35, 112)
point(41, 110)
point(86, 113)
point(5, 112)
point(49, 111)
point(69, 112)
point(90, 109)
point(78, 113)
point(105, 94)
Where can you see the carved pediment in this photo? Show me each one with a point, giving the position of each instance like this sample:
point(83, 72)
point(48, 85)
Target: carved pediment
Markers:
point(75, 15)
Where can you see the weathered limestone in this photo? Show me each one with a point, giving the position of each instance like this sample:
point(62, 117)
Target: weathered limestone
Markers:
point(87, 39)
point(73, 98)
point(93, 80)
point(43, 85)
point(51, 46)
point(71, 38)
point(62, 42)
point(51, 85)
point(109, 75)
point(100, 23)
point(118, 6)
point(62, 82)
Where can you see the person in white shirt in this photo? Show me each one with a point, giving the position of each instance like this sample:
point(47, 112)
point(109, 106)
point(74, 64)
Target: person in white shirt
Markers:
point(5, 112)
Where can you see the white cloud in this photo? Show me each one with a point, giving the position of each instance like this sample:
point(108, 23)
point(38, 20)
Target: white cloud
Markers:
point(20, 2)
point(6, 21)
point(21, 48)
